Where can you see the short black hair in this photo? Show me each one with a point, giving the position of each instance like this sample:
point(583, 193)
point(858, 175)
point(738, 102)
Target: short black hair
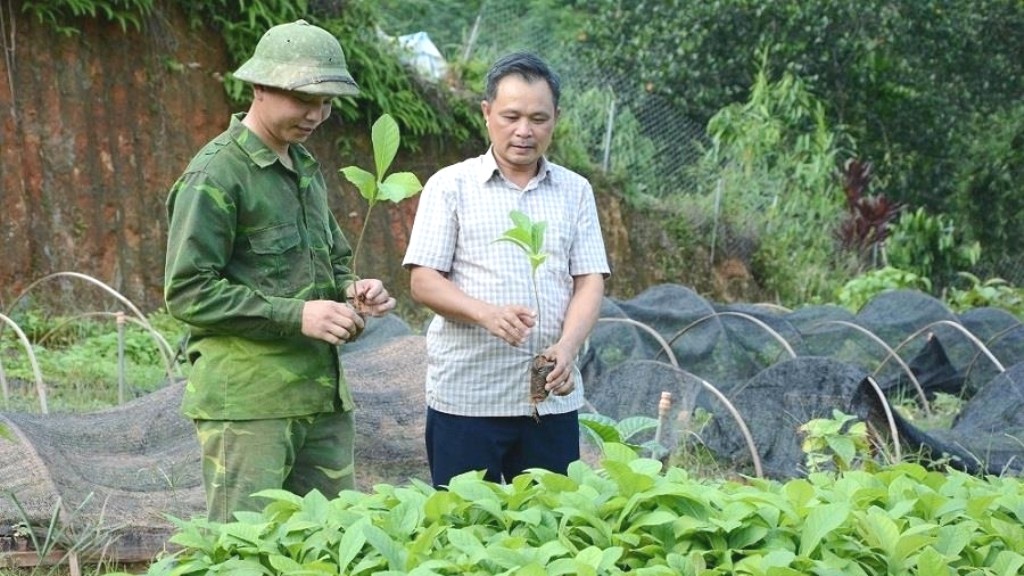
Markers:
point(527, 65)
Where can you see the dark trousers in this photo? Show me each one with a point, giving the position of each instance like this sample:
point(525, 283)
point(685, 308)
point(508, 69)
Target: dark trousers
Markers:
point(502, 446)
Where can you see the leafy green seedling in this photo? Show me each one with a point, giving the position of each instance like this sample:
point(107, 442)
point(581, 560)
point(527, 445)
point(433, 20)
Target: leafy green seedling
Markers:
point(838, 441)
point(376, 187)
point(529, 237)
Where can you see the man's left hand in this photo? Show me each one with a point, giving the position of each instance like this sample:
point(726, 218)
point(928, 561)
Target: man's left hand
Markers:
point(369, 297)
point(560, 380)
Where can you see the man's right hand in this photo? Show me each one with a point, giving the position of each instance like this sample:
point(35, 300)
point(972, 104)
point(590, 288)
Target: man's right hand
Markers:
point(510, 323)
point(330, 321)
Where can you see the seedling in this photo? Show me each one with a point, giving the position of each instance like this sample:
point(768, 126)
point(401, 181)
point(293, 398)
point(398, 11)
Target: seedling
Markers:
point(376, 187)
point(836, 441)
point(529, 237)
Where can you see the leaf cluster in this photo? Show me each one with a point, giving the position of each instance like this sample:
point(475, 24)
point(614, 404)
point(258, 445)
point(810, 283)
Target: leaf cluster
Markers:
point(835, 442)
point(874, 63)
point(395, 187)
point(386, 85)
point(631, 515)
point(773, 162)
point(855, 293)
point(528, 236)
point(60, 14)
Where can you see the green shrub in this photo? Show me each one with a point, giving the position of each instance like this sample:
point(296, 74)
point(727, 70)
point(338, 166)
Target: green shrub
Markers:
point(859, 290)
point(993, 292)
point(930, 246)
point(775, 160)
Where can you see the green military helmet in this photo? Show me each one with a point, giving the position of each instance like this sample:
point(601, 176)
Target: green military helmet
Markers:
point(302, 57)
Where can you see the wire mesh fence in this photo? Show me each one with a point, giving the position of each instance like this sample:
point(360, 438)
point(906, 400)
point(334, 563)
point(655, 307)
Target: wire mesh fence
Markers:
point(627, 131)
point(623, 128)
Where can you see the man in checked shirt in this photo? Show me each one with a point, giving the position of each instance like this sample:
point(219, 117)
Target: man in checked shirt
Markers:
point(485, 333)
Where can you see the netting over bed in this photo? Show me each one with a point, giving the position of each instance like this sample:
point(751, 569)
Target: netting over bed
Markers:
point(128, 467)
point(780, 368)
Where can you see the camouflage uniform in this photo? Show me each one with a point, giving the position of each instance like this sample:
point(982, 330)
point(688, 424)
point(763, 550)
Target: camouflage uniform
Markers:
point(249, 242)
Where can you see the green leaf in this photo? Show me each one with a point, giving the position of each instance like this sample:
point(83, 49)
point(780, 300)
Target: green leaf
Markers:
point(440, 504)
point(284, 565)
point(399, 186)
point(471, 487)
point(247, 533)
point(600, 427)
point(843, 447)
point(352, 543)
point(931, 562)
point(819, 523)
point(385, 137)
point(392, 551)
point(1008, 563)
point(522, 245)
point(365, 182)
point(536, 260)
point(277, 494)
point(655, 518)
point(404, 519)
point(633, 425)
point(520, 237)
point(520, 220)
point(880, 530)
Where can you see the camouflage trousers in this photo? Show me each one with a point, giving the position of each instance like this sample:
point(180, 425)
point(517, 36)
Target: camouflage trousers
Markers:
point(242, 457)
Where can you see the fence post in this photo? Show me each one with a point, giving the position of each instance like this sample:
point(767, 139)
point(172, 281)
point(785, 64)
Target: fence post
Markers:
point(121, 385)
point(609, 129)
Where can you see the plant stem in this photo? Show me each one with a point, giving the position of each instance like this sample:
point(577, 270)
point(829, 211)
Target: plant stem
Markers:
point(359, 241)
point(536, 300)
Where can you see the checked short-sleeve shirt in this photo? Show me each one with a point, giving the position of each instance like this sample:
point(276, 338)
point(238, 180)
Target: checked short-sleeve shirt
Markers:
point(462, 210)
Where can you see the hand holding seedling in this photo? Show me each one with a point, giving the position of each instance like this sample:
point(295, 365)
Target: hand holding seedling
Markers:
point(510, 323)
point(559, 380)
point(330, 321)
point(371, 297)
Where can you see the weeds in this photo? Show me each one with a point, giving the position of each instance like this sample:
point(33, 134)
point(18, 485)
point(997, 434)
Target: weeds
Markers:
point(59, 544)
point(78, 360)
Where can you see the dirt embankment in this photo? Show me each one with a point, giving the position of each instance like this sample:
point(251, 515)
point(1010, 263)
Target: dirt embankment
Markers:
point(95, 126)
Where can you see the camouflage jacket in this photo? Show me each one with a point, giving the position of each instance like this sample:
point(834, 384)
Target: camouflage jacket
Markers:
point(249, 241)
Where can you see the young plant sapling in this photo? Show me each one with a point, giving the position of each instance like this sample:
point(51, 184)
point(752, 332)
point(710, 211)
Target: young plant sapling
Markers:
point(529, 237)
point(374, 188)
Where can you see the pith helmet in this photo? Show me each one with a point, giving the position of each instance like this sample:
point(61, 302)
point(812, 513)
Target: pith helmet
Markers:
point(302, 57)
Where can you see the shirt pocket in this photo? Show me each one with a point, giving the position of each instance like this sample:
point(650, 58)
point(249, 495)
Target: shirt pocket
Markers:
point(274, 240)
point(274, 263)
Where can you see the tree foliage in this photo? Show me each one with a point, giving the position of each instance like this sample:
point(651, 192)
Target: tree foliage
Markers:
point(902, 76)
point(774, 160)
point(386, 85)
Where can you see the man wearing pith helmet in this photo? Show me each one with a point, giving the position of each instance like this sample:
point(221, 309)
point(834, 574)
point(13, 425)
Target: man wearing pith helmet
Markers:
point(259, 270)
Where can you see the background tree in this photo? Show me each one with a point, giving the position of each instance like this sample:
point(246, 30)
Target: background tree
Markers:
point(912, 82)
